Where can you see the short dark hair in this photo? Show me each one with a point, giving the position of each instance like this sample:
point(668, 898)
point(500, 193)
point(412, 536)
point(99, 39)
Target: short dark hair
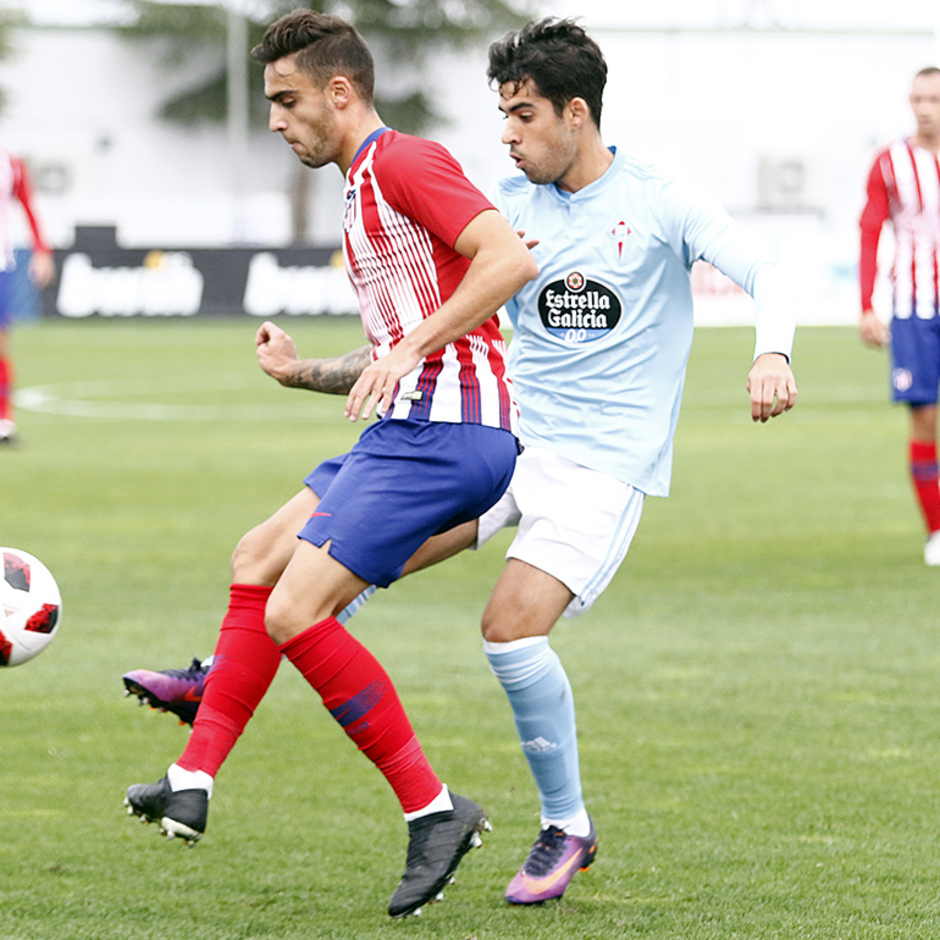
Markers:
point(930, 70)
point(558, 57)
point(326, 46)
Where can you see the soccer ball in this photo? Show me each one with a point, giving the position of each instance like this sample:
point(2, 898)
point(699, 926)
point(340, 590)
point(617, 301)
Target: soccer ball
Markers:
point(30, 607)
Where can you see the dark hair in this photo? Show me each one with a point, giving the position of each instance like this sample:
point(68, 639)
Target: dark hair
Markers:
point(930, 70)
point(558, 57)
point(326, 46)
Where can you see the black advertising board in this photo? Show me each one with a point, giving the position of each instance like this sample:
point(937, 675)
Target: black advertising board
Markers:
point(98, 278)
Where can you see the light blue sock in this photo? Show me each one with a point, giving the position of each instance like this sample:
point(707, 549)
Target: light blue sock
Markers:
point(537, 686)
point(355, 604)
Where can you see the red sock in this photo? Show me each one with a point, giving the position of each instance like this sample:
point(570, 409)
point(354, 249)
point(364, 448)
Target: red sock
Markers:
point(926, 480)
point(246, 660)
point(360, 696)
point(6, 388)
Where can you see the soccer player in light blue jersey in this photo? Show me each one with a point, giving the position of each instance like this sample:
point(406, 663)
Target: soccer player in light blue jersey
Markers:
point(600, 342)
point(601, 338)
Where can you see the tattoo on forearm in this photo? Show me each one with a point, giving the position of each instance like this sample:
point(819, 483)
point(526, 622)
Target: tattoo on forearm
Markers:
point(334, 376)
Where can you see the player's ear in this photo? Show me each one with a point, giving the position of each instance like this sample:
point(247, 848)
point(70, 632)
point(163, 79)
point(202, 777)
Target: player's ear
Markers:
point(339, 91)
point(577, 112)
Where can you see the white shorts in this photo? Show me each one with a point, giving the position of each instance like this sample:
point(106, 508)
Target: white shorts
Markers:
point(574, 524)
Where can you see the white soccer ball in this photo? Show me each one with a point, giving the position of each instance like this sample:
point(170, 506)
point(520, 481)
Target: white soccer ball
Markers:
point(30, 607)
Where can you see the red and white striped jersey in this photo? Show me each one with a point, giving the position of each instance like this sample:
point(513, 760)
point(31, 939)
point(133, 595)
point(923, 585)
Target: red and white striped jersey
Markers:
point(15, 185)
point(406, 202)
point(904, 186)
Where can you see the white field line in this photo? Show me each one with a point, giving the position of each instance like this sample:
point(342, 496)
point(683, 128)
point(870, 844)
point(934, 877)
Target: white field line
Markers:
point(102, 399)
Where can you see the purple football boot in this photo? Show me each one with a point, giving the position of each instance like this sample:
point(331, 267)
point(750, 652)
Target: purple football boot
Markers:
point(175, 690)
point(551, 865)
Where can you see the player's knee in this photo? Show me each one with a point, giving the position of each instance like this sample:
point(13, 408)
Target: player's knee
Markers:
point(496, 629)
point(277, 620)
point(287, 615)
point(243, 559)
point(252, 561)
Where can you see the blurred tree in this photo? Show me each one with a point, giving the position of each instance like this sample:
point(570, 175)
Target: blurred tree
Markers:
point(398, 31)
point(8, 19)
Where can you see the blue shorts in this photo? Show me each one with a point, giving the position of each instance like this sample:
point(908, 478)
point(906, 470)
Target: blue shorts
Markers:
point(6, 300)
point(915, 355)
point(403, 482)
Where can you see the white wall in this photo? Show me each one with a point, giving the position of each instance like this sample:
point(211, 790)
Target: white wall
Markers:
point(86, 100)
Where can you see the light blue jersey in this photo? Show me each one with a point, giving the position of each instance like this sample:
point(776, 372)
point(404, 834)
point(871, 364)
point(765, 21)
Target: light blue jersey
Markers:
point(602, 336)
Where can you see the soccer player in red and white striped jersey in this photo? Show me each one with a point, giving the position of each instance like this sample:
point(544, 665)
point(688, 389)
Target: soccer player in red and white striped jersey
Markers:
point(904, 188)
point(432, 261)
point(15, 187)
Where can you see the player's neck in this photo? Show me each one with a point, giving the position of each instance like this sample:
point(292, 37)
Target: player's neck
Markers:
point(366, 122)
point(591, 165)
point(928, 142)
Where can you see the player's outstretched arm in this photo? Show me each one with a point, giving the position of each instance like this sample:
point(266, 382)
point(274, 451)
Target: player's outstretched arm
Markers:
point(771, 385)
point(277, 355)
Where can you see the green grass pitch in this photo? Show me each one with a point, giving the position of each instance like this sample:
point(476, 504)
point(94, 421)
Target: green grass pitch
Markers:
point(757, 691)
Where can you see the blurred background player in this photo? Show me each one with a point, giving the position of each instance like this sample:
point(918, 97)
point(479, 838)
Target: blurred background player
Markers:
point(432, 262)
point(15, 187)
point(904, 187)
point(601, 338)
